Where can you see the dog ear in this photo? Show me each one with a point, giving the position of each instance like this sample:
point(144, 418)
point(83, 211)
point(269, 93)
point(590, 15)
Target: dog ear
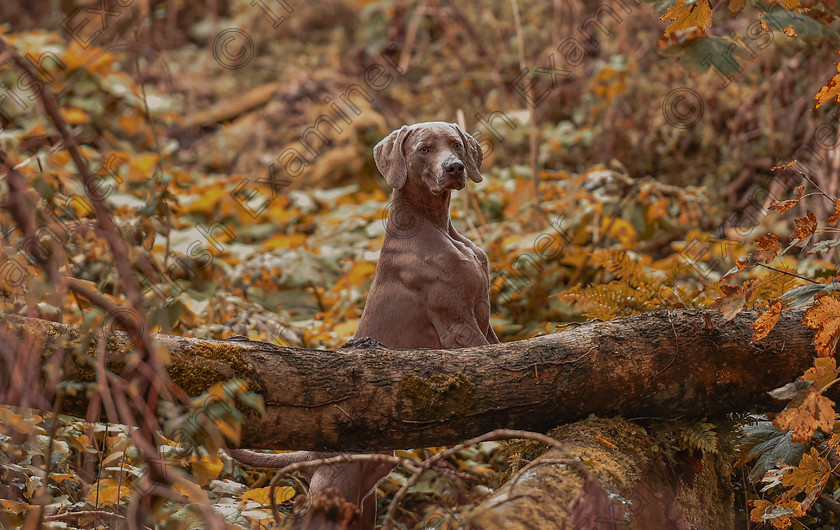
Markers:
point(390, 158)
point(474, 154)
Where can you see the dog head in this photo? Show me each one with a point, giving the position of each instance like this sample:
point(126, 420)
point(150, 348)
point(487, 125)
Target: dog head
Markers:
point(438, 154)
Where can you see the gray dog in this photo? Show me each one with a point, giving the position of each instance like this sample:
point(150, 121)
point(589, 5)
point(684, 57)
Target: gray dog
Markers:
point(431, 288)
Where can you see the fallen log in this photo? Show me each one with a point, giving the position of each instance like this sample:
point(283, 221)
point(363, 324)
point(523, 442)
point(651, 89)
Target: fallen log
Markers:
point(659, 364)
point(648, 489)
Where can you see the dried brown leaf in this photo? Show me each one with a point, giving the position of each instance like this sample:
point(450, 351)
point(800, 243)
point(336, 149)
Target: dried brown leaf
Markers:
point(805, 226)
point(767, 321)
point(807, 415)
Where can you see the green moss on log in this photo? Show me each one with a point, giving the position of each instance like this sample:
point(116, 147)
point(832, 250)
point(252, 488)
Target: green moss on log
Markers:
point(209, 363)
point(440, 396)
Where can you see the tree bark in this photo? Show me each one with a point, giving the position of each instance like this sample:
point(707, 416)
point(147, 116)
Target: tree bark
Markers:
point(653, 487)
point(660, 364)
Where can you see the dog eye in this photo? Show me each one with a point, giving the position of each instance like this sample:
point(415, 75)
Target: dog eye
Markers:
point(458, 147)
point(424, 149)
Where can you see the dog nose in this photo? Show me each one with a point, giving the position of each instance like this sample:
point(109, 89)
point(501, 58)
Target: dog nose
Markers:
point(454, 168)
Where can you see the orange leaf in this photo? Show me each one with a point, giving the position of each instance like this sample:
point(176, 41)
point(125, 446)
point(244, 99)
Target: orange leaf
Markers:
point(767, 321)
point(782, 206)
point(805, 415)
point(836, 217)
point(697, 14)
point(769, 248)
point(263, 495)
point(824, 316)
point(830, 91)
point(74, 116)
point(740, 264)
point(805, 226)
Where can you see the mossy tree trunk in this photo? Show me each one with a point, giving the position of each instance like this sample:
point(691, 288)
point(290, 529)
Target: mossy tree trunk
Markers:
point(651, 486)
point(660, 364)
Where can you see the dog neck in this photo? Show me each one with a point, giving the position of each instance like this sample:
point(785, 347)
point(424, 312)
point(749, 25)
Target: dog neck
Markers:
point(413, 200)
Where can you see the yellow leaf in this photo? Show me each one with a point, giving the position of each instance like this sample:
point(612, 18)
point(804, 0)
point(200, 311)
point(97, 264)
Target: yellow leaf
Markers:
point(141, 167)
point(811, 473)
point(191, 491)
point(822, 373)
point(620, 229)
point(285, 241)
point(824, 316)
point(206, 468)
point(360, 273)
point(232, 431)
point(74, 116)
point(22, 423)
point(697, 14)
point(208, 201)
point(107, 491)
point(261, 495)
point(767, 321)
point(346, 329)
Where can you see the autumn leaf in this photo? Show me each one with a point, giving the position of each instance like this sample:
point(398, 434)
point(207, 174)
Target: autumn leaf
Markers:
point(733, 300)
point(769, 249)
point(822, 373)
point(777, 514)
point(824, 316)
point(262, 495)
point(809, 477)
point(206, 468)
point(811, 473)
point(767, 321)
point(740, 264)
point(107, 491)
point(805, 226)
point(805, 415)
point(697, 14)
point(74, 116)
point(836, 217)
point(831, 90)
point(783, 206)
